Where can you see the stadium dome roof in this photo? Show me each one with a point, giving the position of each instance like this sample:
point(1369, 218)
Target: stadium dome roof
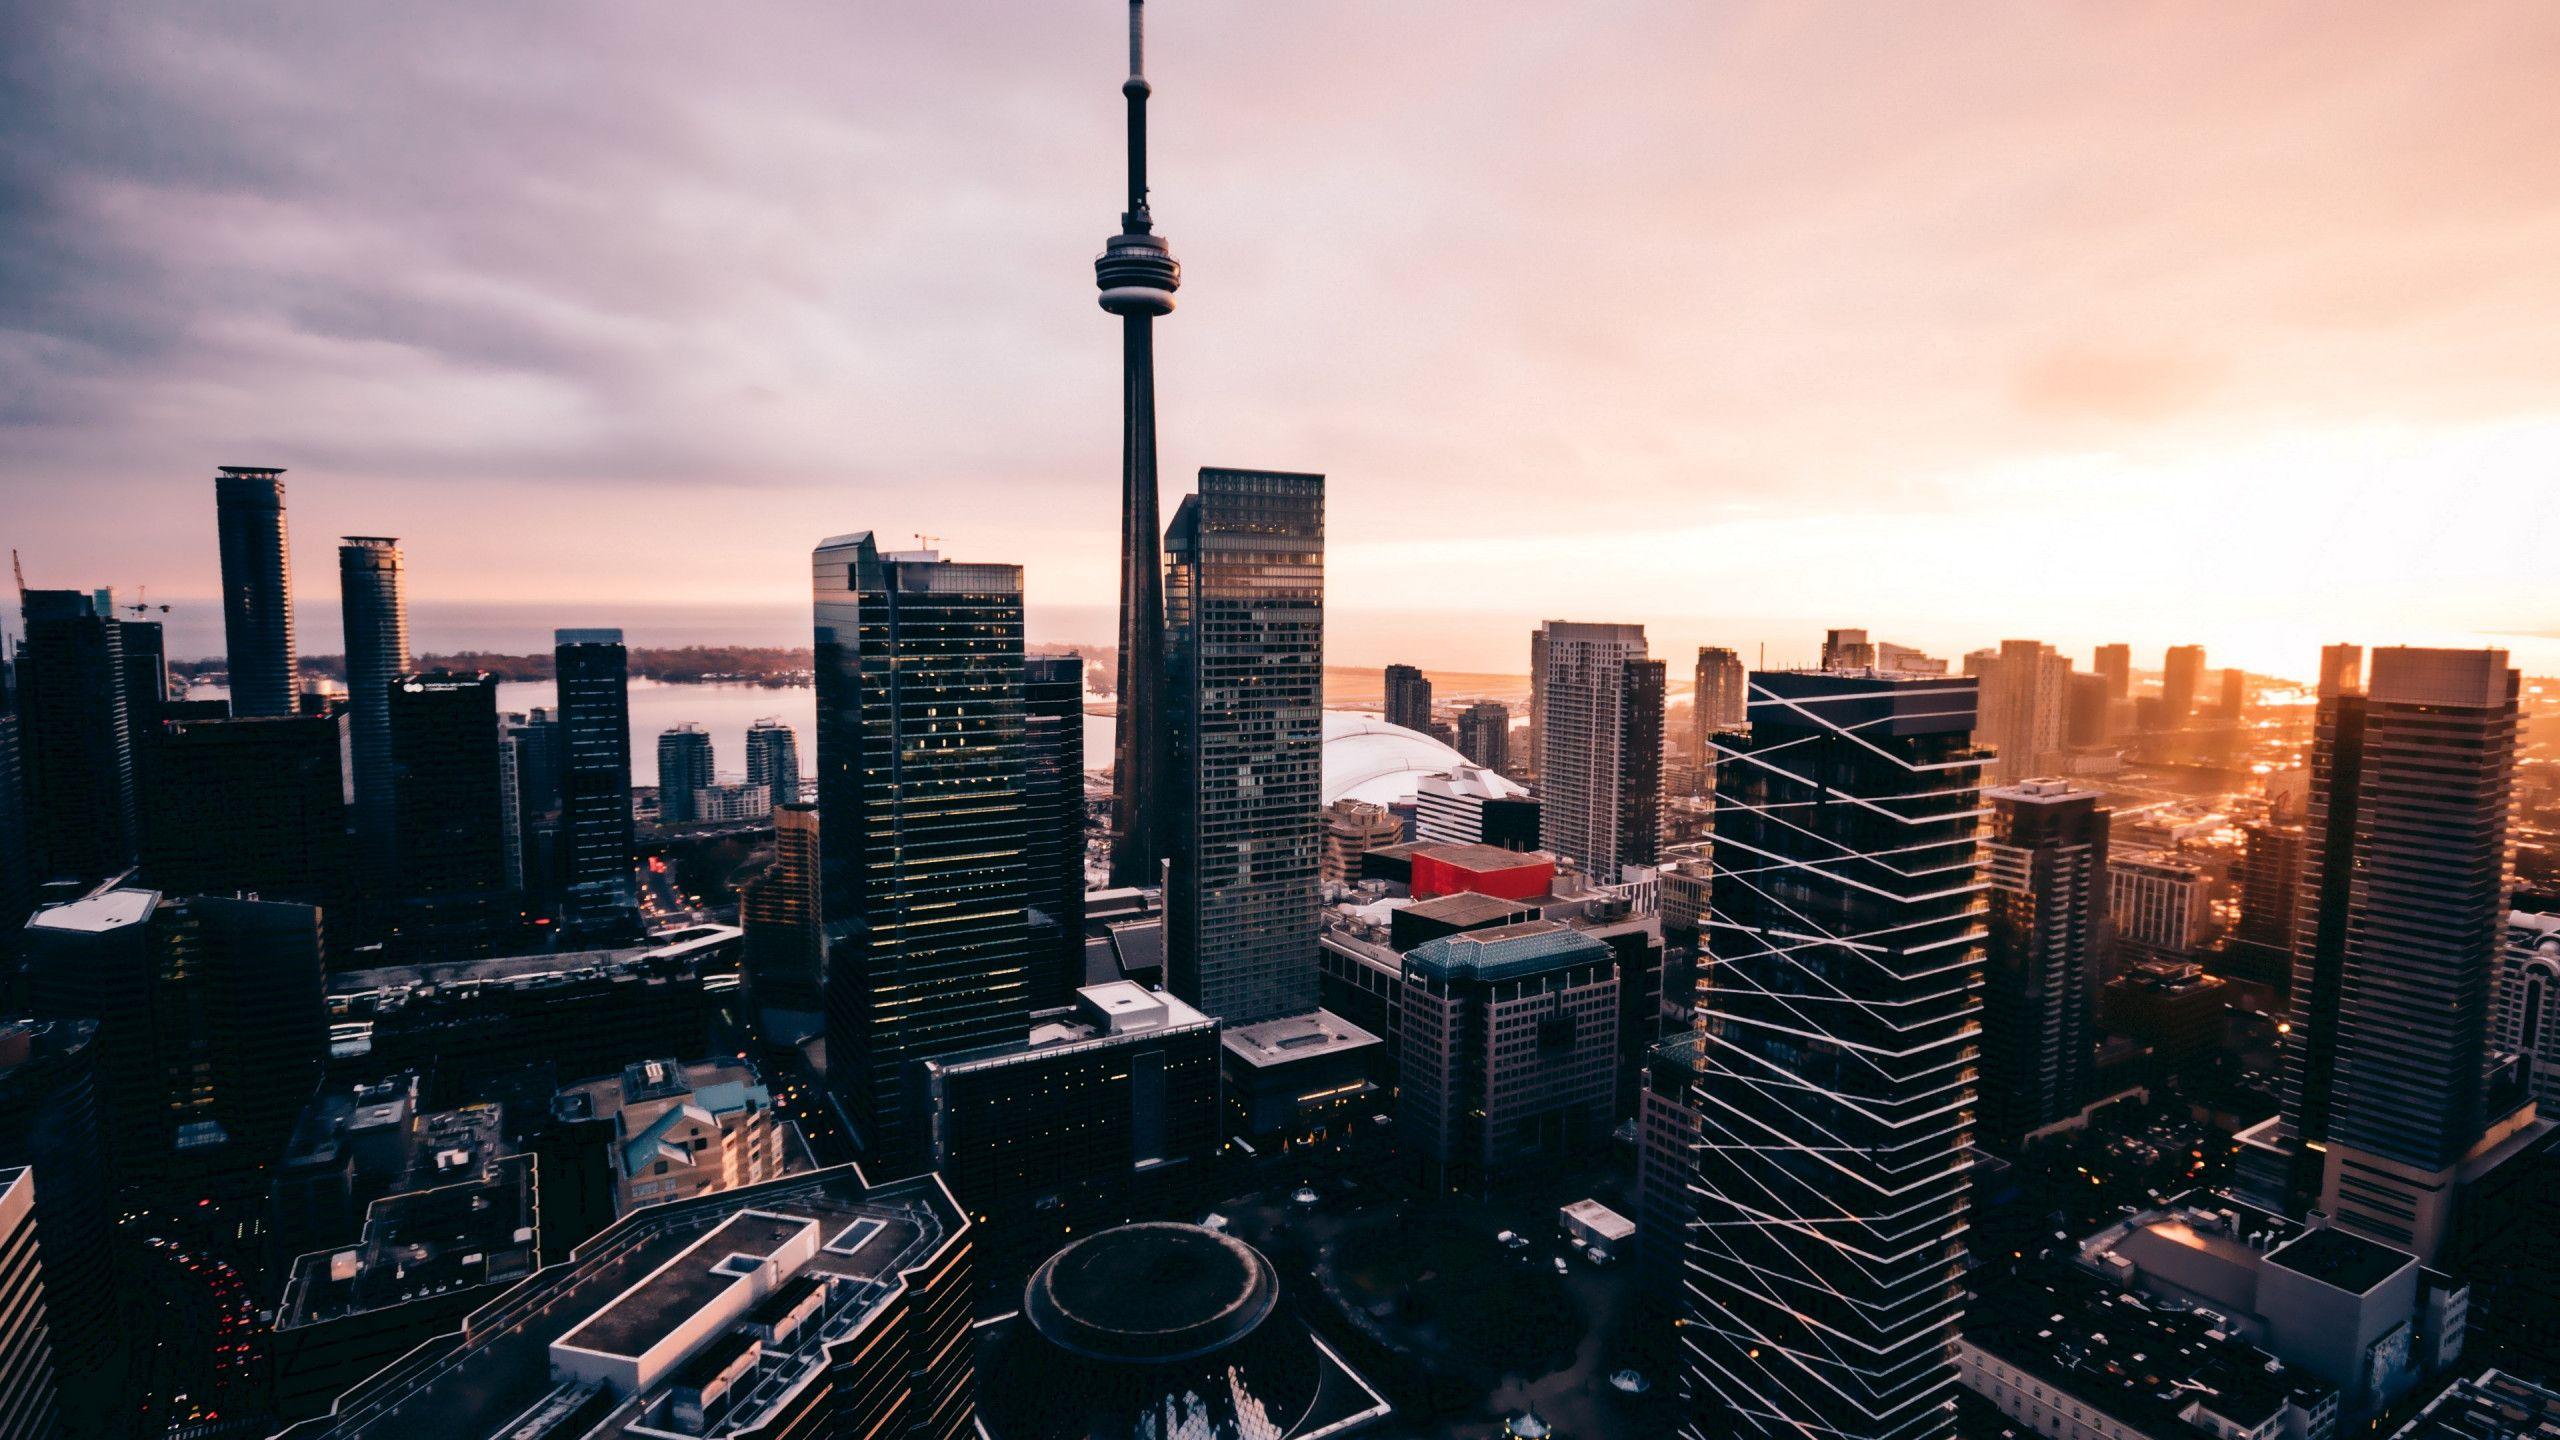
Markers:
point(1369, 760)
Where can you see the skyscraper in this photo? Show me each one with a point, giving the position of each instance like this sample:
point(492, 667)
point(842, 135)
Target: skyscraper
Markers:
point(17, 840)
point(1838, 1006)
point(773, 760)
point(1245, 621)
point(254, 805)
point(146, 676)
point(1599, 747)
point(784, 952)
point(29, 1365)
point(450, 836)
point(920, 794)
point(2424, 927)
point(1408, 698)
point(1719, 700)
point(1138, 275)
point(2181, 680)
point(684, 766)
point(49, 1121)
point(1484, 735)
point(2025, 696)
point(376, 620)
point(594, 680)
point(2115, 662)
point(2047, 864)
point(257, 590)
point(81, 803)
point(1053, 799)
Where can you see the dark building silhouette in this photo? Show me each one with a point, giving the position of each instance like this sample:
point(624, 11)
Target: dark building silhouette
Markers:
point(146, 679)
point(1106, 1113)
point(257, 590)
point(2047, 864)
point(17, 838)
point(49, 1122)
point(2270, 885)
point(1245, 623)
point(1408, 698)
point(533, 745)
point(444, 759)
point(2114, 663)
point(1484, 735)
point(1053, 798)
point(1838, 1007)
point(1138, 275)
point(211, 1031)
point(684, 766)
point(78, 741)
point(1508, 1038)
point(920, 788)
point(785, 936)
point(376, 620)
point(248, 805)
point(2181, 681)
point(596, 847)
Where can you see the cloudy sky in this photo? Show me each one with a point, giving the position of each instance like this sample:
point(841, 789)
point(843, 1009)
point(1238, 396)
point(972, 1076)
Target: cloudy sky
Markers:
point(2151, 321)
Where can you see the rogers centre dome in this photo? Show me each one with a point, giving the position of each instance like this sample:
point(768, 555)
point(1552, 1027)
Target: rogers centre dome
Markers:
point(1369, 760)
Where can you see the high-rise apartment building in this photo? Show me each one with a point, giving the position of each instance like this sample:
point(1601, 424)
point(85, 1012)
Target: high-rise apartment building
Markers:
point(376, 621)
point(773, 760)
point(1526, 762)
point(2270, 884)
point(1352, 829)
point(1408, 698)
point(2181, 681)
point(920, 788)
point(684, 766)
point(2025, 696)
point(1053, 801)
point(29, 1362)
point(1244, 622)
point(1600, 748)
point(2047, 863)
point(785, 947)
point(82, 806)
point(1838, 1005)
point(2115, 662)
point(2389, 1111)
point(1847, 650)
point(1721, 699)
point(257, 590)
point(1484, 735)
point(49, 1121)
point(596, 840)
point(2161, 905)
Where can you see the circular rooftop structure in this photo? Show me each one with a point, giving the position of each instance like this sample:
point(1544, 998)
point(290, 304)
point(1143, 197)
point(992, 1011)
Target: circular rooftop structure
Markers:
point(1153, 1332)
point(1151, 1292)
point(1369, 760)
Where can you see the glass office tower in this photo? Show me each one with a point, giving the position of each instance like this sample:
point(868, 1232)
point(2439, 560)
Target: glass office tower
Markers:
point(1839, 1015)
point(1244, 627)
point(922, 825)
point(594, 681)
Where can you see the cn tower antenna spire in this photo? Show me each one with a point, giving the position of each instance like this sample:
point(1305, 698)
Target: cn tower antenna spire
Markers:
point(1138, 275)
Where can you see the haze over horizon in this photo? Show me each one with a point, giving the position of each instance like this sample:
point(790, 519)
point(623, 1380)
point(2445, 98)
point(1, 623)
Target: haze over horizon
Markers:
point(1976, 322)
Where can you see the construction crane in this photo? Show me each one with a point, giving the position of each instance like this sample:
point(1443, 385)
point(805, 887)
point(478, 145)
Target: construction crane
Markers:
point(927, 542)
point(20, 571)
point(143, 608)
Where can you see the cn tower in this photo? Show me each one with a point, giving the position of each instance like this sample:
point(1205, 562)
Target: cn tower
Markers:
point(1138, 276)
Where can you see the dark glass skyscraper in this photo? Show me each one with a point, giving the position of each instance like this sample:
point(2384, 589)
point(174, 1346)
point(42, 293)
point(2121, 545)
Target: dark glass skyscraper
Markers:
point(376, 620)
point(2047, 863)
point(923, 824)
point(450, 837)
point(79, 745)
point(1138, 275)
point(247, 805)
point(146, 677)
point(1053, 797)
point(49, 1121)
point(17, 841)
point(1835, 1089)
point(1599, 706)
point(594, 679)
point(773, 760)
point(684, 766)
point(1245, 622)
point(1408, 697)
point(257, 589)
